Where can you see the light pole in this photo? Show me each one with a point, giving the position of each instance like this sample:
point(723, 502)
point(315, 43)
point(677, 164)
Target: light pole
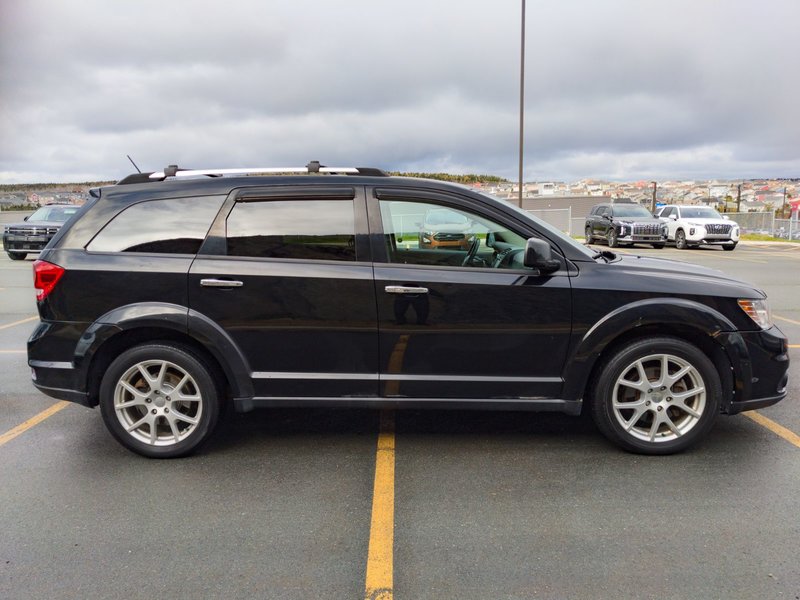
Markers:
point(521, 97)
point(653, 205)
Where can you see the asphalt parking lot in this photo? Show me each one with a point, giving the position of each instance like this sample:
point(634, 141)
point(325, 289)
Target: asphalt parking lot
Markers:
point(344, 503)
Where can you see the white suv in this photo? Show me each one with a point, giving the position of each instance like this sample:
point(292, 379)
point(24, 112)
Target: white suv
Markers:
point(690, 226)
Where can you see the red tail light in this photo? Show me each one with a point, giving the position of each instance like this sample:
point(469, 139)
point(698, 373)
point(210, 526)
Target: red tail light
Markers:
point(45, 278)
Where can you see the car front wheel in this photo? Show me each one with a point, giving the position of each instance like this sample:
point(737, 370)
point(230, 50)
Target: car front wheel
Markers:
point(656, 396)
point(729, 247)
point(589, 236)
point(611, 238)
point(159, 400)
point(680, 240)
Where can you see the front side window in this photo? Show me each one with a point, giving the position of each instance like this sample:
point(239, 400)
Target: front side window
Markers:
point(430, 234)
point(295, 229)
point(172, 226)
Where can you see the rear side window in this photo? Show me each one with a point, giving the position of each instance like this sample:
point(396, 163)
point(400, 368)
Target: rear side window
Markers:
point(298, 229)
point(172, 226)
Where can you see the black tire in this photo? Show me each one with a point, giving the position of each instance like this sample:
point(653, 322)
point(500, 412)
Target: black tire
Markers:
point(611, 238)
point(17, 255)
point(657, 246)
point(729, 247)
point(680, 240)
point(589, 236)
point(645, 427)
point(183, 399)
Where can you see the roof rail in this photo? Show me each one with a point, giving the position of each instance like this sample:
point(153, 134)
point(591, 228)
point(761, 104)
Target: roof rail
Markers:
point(312, 167)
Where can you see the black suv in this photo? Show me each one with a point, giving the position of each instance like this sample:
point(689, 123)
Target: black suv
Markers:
point(625, 224)
point(175, 294)
point(35, 231)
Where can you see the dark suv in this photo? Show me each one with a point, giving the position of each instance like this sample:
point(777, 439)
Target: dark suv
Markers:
point(175, 294)
point(35, 231)
point(624, 224)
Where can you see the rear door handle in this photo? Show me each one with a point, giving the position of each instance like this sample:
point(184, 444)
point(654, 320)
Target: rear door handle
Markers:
point(405, 289)
point(221, 283)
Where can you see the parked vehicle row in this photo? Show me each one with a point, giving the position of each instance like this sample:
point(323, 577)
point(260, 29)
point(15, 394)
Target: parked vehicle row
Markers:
point(626, 224)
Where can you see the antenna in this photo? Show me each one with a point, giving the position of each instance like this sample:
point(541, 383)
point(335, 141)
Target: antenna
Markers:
point(133, 163)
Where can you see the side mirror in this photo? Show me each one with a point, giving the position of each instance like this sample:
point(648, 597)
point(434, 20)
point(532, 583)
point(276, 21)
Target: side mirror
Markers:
point(726, 217)
point(539, 256)
point(673, 217)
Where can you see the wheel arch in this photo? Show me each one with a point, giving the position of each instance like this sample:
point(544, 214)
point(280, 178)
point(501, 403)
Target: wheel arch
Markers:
point(687, 320)
point(128, 326)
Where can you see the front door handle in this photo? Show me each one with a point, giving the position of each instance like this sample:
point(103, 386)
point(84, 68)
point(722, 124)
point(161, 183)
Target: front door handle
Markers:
point(405, 289)
point(221, 283)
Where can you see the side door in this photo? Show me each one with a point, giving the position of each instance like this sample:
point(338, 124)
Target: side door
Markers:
point(286, 274)
point(464, 323)
point(668, 215)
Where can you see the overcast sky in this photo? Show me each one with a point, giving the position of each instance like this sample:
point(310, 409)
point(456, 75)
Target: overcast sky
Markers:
point(615, 89)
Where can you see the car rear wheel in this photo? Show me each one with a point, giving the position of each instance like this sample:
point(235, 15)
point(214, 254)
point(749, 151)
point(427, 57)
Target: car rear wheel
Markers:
point(159, 400)
point(680, 240)
point(611, 238)
point(17, 255)
point(656, 396)
point(729, 247)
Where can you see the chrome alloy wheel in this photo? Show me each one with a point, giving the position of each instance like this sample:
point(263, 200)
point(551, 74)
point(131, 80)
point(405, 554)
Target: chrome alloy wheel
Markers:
point(659, 398)
point(158, 403)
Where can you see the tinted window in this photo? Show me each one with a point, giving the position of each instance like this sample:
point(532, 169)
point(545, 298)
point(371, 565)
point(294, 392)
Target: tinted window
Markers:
point(174, 226)
point(299, 229)
point(412, 238)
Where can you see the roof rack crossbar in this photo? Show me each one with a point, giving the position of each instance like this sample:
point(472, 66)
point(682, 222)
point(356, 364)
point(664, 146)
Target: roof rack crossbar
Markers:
point(173, 172)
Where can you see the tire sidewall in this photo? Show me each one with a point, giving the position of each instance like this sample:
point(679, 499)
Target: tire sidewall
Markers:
point(611, 238)
point(188, 361)
point(614, 367)
point(680, 240)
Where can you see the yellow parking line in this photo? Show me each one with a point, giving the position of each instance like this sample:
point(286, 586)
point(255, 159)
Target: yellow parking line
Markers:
point(12, 351)
point(379, 583)
point(774, 316)
point(28, 320)
point(794, 345)
point(789, 436)
point(22, 428)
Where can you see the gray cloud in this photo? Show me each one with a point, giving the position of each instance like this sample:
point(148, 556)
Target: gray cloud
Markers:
point(617, 89)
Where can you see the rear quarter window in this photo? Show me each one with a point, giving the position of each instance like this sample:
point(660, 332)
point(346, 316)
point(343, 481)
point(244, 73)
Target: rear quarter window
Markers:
point(170, 226)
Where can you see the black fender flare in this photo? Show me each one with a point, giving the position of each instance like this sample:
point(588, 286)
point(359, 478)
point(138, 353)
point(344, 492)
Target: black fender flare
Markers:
point(663, 312)
point(172, 317)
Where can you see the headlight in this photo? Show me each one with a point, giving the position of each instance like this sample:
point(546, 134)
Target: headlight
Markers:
point(758, 310)
point(695, 224)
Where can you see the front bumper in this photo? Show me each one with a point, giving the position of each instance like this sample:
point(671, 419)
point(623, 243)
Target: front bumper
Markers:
point(761, 365)
point(699, 235)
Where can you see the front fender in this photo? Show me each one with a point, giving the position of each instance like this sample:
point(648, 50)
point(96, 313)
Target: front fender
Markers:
point(664, 313)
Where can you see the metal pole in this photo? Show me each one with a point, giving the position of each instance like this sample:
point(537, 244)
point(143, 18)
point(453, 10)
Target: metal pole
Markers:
point(739, 198)
point(653, 205)
point(521, 98)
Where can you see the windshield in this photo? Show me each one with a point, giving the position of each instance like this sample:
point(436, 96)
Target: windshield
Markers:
point(699, 212)
point(632, 211)
point(54, 213)
point(556, 233)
